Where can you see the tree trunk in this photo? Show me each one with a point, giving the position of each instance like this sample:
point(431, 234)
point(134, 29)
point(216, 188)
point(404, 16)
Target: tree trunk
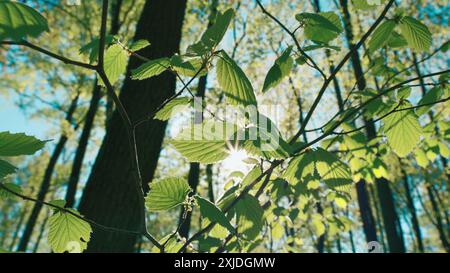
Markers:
point(18, 228)
point(390, 217)
point(90, 117)
point(436, 210)
point(82, 146)
point(41, 234)
point(46, 181)
point(110, 196)
point(361, 188)
point(412, 210)
point(438, 217)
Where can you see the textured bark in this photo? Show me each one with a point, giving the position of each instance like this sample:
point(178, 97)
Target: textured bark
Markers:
point(82, 146)
point(361, 188)
point(110, 196)
point(390, 217)
point(18, 228)
point(413, 212)
point(46, 181)
point(438, 217)
point(83, 142)
point(194, 170)
point(436, 210)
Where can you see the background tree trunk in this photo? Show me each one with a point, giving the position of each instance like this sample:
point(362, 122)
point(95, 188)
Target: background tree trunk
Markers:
point(110, 196)
point(90, 117)
point(46, 181)
point(390, 217)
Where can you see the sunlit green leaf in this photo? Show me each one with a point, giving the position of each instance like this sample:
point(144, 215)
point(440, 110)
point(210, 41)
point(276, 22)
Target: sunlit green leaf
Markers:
point(172, 107)
point(167, 193)
point(416, 33)
point(280, 69)
point(67, 233)
point(115, 62)
point(402, 130)
point(139, 44)
point(212, 213)
point(205, 143)
point(249, 216)
point(150, 69)
point(381, 35)
point(234, 82)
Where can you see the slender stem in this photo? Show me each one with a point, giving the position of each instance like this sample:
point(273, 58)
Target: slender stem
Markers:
point(312, 63)
point(339, 67)
point(69, 211)
point(49, 53)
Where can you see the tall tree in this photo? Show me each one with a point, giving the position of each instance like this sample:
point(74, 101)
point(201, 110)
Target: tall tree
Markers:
point(46, 180)
point(194, 170)
point(90, 118)
point(361, 187)
point(413, 212)
point(390, 218)
point(110, 195)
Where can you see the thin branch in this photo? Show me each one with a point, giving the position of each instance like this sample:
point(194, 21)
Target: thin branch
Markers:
point(65, 210)
point(312, 63)
point(339, 67)
point(49, 53)
point(395, 110)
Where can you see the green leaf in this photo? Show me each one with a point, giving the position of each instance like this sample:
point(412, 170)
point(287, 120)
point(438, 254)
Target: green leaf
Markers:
point(150, 69)
point(367, 4)
point(416, 33)
point(335, 173)
point(381, 35)
point(321, 27)
point(318, 226)
point(212, 213)
point(402, 130)
point(249, 216)
point(300, 167)
point(189, 67)
point(280, 69)
point(115, 63)
point(251, 176)
point(4, 194)
point(139, 44)
point(67, 233)
point(396, 40)
point(6, 169)
point(215, 33)
point(93, 47)
point(19, 21)
point(341, 202)
point(431, 96)
point(167, 193)
point(174, 106)
point(172, 246)
point(234, 82)
point(205, 143)
point(19, 144)
point(59, 203)
point(421, 158)
point(268, 144)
